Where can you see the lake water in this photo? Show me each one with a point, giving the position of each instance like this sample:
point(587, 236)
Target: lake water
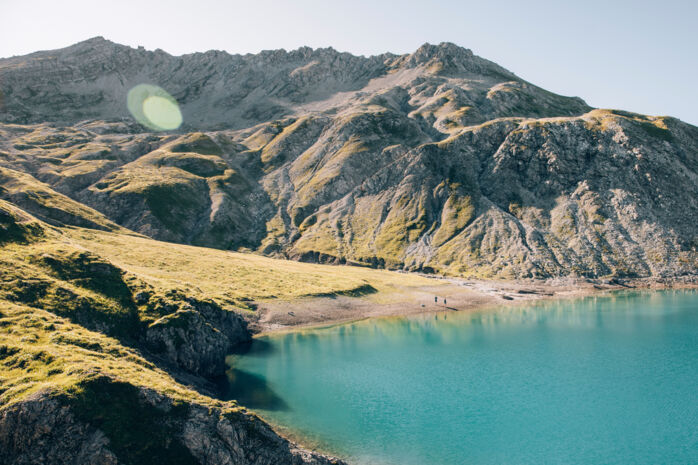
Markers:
point(601, 380)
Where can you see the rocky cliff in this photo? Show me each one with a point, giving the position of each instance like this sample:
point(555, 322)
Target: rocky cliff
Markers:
point(70, 395)
point(113, 422)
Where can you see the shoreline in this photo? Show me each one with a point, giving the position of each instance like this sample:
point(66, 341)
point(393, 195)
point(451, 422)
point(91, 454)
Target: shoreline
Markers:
point(461, 295)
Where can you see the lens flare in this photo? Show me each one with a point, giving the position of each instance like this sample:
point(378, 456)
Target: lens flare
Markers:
point(162, 112)
point(154, 108)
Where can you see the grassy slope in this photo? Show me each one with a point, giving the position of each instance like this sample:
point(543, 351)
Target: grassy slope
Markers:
point(39, 350)
point(102, 383)
point(53, 279)
point(230, 276)
point(45, 203)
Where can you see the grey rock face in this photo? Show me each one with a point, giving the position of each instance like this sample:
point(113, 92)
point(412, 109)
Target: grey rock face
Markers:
point(239, 439)
point(90, 80)
point(197, 337)
point(41, 430)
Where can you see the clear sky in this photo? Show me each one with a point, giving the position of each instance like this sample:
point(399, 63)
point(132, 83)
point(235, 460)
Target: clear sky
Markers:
point(634, 55)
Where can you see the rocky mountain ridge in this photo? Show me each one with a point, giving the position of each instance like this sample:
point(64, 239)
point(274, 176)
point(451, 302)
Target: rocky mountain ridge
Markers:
point(217, 90)
point(438, 160)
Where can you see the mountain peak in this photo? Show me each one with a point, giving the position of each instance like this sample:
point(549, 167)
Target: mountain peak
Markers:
point(441, 49)
point(97, 41)
point(443, 52)
point(448, 58)
point(94, 40)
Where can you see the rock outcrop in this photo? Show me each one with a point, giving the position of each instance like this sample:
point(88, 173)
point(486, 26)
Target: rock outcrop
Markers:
point(41, 430)
point(46, 429)
point(197, 336)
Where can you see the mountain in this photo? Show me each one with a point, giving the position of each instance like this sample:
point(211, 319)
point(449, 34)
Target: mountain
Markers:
point(438, 161)
point(114, 329)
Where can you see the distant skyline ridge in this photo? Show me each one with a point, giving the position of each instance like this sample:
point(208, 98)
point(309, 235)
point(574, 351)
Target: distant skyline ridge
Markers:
point(218, 90)
point(426, 51)
point(630, 55)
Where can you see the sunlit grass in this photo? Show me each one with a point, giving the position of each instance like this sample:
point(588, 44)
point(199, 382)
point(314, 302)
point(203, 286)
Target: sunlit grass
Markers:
point(224, 275)
point(39, 350)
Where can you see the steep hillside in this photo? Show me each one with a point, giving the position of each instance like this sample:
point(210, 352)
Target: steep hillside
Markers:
point(109, 343)
point(70, 395)
point(438, 161)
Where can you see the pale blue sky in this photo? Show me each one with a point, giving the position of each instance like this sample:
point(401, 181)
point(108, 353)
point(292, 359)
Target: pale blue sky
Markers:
point(635, 55)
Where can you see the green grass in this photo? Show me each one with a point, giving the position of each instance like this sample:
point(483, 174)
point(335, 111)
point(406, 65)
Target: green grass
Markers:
point(457, 213)
point(196, 142)
point(40, 350)
point(17, 226)
point(653, 126)
point(48, 205)
point(231, 278)
point(140, 408)
point(71, 283)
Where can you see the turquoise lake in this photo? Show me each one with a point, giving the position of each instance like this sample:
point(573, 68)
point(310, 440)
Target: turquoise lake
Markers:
point(600, 380)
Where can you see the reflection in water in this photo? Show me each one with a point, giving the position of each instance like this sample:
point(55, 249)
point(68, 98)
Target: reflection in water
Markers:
point(252, 347)
point(593, 380)
point(251, 391)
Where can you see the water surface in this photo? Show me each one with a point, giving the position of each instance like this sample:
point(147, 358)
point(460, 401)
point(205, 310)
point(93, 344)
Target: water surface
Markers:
point(610, 380)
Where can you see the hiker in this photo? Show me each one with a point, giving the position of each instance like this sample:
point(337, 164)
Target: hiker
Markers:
point(436, 300)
